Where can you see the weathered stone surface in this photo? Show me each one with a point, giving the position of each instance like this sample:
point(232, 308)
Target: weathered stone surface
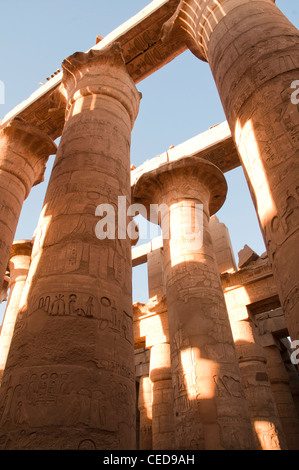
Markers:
point(209, 403)
point(246, 256)
point(19, 263)
point(24, 151)
point(279, 380)
point(256, 97)
point(78, 296)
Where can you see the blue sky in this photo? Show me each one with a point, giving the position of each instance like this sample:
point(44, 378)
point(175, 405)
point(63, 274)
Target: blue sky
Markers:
point(179, 101)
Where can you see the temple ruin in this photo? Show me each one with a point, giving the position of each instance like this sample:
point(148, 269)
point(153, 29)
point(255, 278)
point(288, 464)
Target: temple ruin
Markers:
point(209, 362)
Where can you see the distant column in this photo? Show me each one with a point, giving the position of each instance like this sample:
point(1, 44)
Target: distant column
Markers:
point(19, 263)
point(253, 53)
point(145, 408)
point(266, 424)
point(209, 404)
point(284, 400)
point(162, 406)
point(24, 151)
point(69, 381)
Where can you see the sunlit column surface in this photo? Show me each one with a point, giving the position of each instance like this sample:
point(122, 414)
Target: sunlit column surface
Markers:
point(209, 403)
point(19, 263)
point(283, 397)
point(145, 400)
point(253, 52)
point(162, 406)
point(69, 382)
point(263, 413)
point(24, 151)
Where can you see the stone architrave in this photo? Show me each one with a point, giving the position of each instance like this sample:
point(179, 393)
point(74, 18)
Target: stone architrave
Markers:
point(24, 151)
point(19, 262)
point(210, 409)
point(253, 53)
point(69, 381)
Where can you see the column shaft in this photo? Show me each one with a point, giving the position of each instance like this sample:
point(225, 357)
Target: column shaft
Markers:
point(70, 379)
point(24, 151)
point(266, 423)
point(209, 404)
point(162, 407)
point(253, 52)
point(18, 267)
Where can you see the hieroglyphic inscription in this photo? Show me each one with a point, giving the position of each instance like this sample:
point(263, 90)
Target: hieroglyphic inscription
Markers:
point(109, 316)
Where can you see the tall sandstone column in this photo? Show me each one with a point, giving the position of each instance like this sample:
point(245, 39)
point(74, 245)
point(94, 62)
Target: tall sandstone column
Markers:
point(162, 394)
point(19, 263)
point(266, 424)
point(69, 382)
point(24, 151)
point(209, 404)
point(145, 400)
point(280, 384)
point(253, 52)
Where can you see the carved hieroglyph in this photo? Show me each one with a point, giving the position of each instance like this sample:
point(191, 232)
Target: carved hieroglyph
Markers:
point(253, 52)
point(69, 381)
point(24, 151)
point(209, 403)
point(19, 262)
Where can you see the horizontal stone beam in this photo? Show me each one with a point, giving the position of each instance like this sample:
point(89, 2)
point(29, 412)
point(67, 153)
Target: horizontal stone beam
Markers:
point(139, 253)
point(144, 53)
point(215, 145)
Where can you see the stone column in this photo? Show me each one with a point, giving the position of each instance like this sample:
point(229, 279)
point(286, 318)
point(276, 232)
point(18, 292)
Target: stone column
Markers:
point(209, 404)
point(264, 417)
point(145, 407)
point(19, 263)
point(156, 283)
point(284, 400)
point(69, 382)
point(253, 52)
point(162, 406)
point(24, 151)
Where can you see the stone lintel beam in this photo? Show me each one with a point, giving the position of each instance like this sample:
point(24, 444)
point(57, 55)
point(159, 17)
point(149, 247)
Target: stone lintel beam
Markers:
point(272, 322)
point(139, 253)
point(215, 145)
point(150, 322)
point(144, 53)
point(253, 52)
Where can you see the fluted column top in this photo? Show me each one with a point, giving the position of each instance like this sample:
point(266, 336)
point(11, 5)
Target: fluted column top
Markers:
point(182, 179)
point(18, 137)
point(194, 21)
point(21, 248)
point(100, 72)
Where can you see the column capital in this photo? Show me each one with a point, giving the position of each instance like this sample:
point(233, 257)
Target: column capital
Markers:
point(21, 248)
point(194, 21)
point(184, 178)
point(90, 73)
point(28, 148)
